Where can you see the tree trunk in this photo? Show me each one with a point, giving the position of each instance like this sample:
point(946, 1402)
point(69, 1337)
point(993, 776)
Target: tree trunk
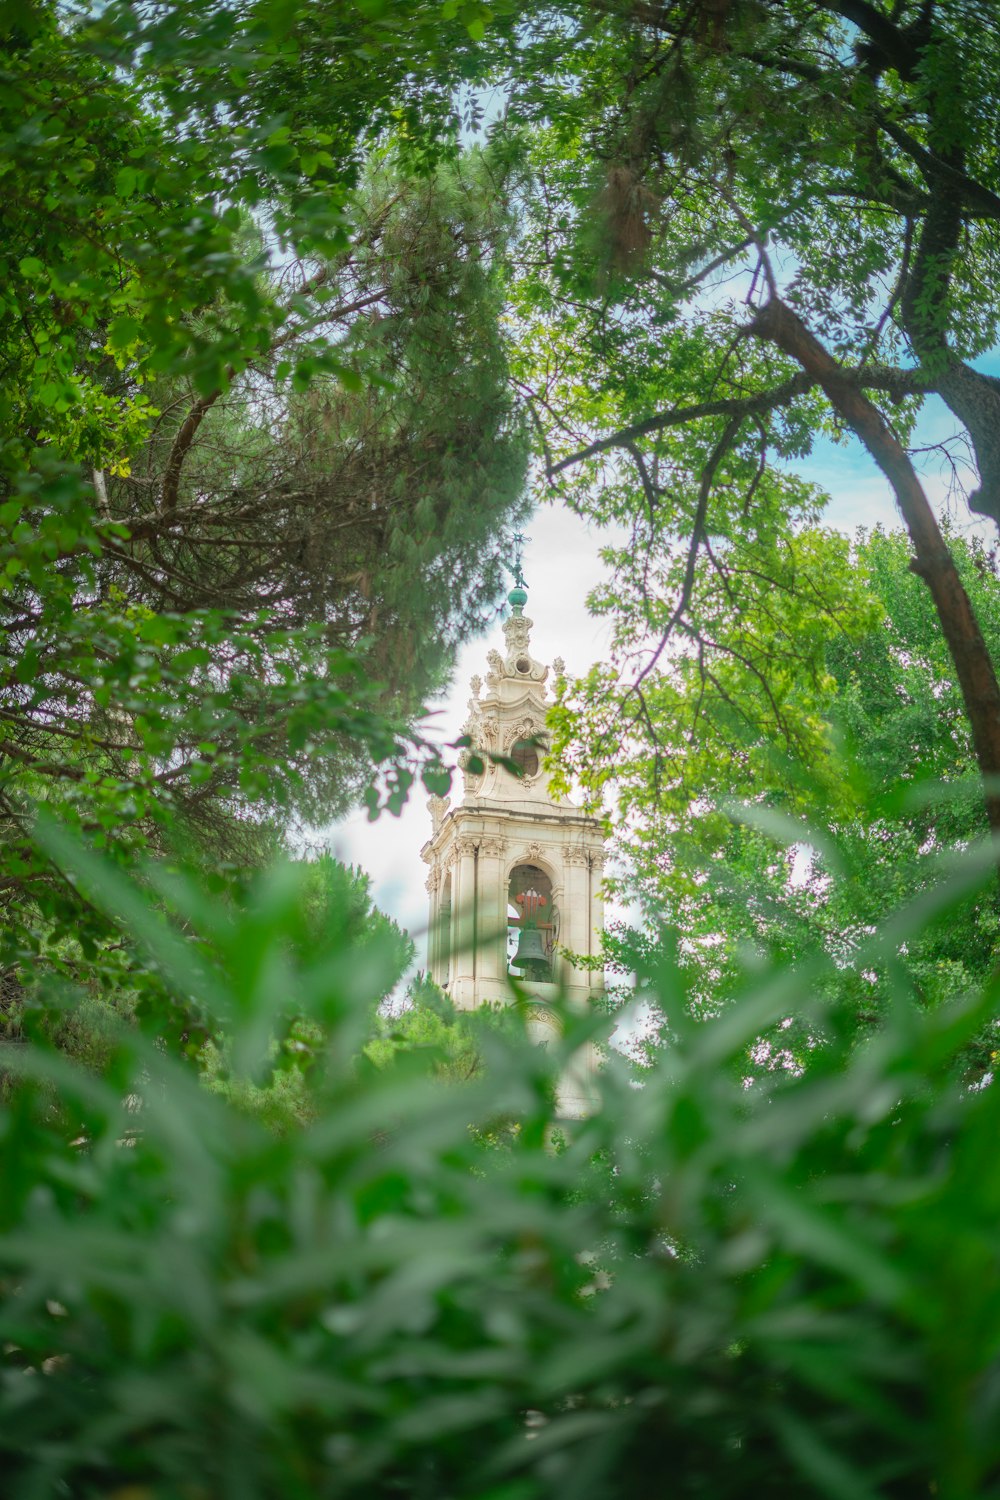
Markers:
point(977, 678)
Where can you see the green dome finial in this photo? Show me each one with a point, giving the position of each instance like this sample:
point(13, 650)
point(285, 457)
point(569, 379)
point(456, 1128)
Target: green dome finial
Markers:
point(518, 598)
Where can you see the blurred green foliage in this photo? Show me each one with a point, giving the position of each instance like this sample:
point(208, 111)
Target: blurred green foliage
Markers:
point(787, 1287)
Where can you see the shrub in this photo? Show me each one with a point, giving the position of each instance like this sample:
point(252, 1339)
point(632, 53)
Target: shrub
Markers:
point(712, 1289)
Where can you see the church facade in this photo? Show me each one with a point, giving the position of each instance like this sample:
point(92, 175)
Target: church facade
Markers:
point(515, 870)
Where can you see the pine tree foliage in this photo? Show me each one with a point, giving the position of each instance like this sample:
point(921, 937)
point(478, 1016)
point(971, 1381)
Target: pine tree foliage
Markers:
point(259, 457)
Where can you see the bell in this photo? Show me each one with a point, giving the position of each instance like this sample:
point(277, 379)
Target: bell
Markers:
point(530, 957)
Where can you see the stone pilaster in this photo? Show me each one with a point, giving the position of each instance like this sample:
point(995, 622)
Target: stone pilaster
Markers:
point(595, 858)
point(492, 916)
point(433, 885)
point(576, 925)
point(465, 914)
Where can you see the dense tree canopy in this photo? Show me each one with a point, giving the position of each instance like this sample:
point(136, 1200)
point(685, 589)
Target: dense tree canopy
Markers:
point(259, 456)
point(756, 223)
point(750, 846)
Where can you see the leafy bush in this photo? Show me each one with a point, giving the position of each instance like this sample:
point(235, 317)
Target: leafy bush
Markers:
point(715, 1289)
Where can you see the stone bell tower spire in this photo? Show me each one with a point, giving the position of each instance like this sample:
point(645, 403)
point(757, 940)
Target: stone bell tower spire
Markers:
point(515, 869)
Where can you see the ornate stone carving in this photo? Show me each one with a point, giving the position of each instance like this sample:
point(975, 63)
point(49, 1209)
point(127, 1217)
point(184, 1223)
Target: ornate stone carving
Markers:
point(544, 1014)
point(517, 631)
point(527, 728)
point(466, 846)
point(438, 806)
point(492, 848)
point(476, 684)
point(533, 854)
point(519, 662)
point(558, 667)
point(574, 855)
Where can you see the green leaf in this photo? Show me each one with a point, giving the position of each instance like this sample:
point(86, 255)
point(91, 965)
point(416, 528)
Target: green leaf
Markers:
point(436, 780)
point(123, 331)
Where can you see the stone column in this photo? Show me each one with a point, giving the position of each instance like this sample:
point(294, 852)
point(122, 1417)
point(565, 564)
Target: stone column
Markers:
point(576, 923)
point(433, 884)
point(492, 923)
point(455, 928)
point(595, 979)
point(463, 903)
point(561, 972)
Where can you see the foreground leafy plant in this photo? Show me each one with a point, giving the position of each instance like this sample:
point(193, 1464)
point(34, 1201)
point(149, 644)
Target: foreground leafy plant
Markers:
point(791, 1286)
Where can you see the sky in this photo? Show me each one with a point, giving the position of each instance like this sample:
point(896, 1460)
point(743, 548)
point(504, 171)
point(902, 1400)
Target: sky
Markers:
point(561, 565)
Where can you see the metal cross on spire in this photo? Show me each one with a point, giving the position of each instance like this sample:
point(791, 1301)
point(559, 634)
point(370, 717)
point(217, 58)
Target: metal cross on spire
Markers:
point(519, 540)
point(518, 596)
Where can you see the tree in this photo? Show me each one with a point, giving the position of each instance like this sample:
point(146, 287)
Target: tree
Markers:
point(238, 370)
point(757, 845)
point(759, 223)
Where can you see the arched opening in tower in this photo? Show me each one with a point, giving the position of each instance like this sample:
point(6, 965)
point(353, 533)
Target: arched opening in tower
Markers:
point(532, 923)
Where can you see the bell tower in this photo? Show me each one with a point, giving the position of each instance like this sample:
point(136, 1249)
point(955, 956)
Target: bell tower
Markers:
point(515, 870)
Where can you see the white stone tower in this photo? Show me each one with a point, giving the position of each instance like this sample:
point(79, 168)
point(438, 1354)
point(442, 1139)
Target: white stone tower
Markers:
point(512, 855)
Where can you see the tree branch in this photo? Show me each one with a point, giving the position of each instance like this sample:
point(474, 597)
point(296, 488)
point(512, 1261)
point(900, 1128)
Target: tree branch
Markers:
point(716, 456)
point(895, 382)
point(898, 48)
point(976, 195)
